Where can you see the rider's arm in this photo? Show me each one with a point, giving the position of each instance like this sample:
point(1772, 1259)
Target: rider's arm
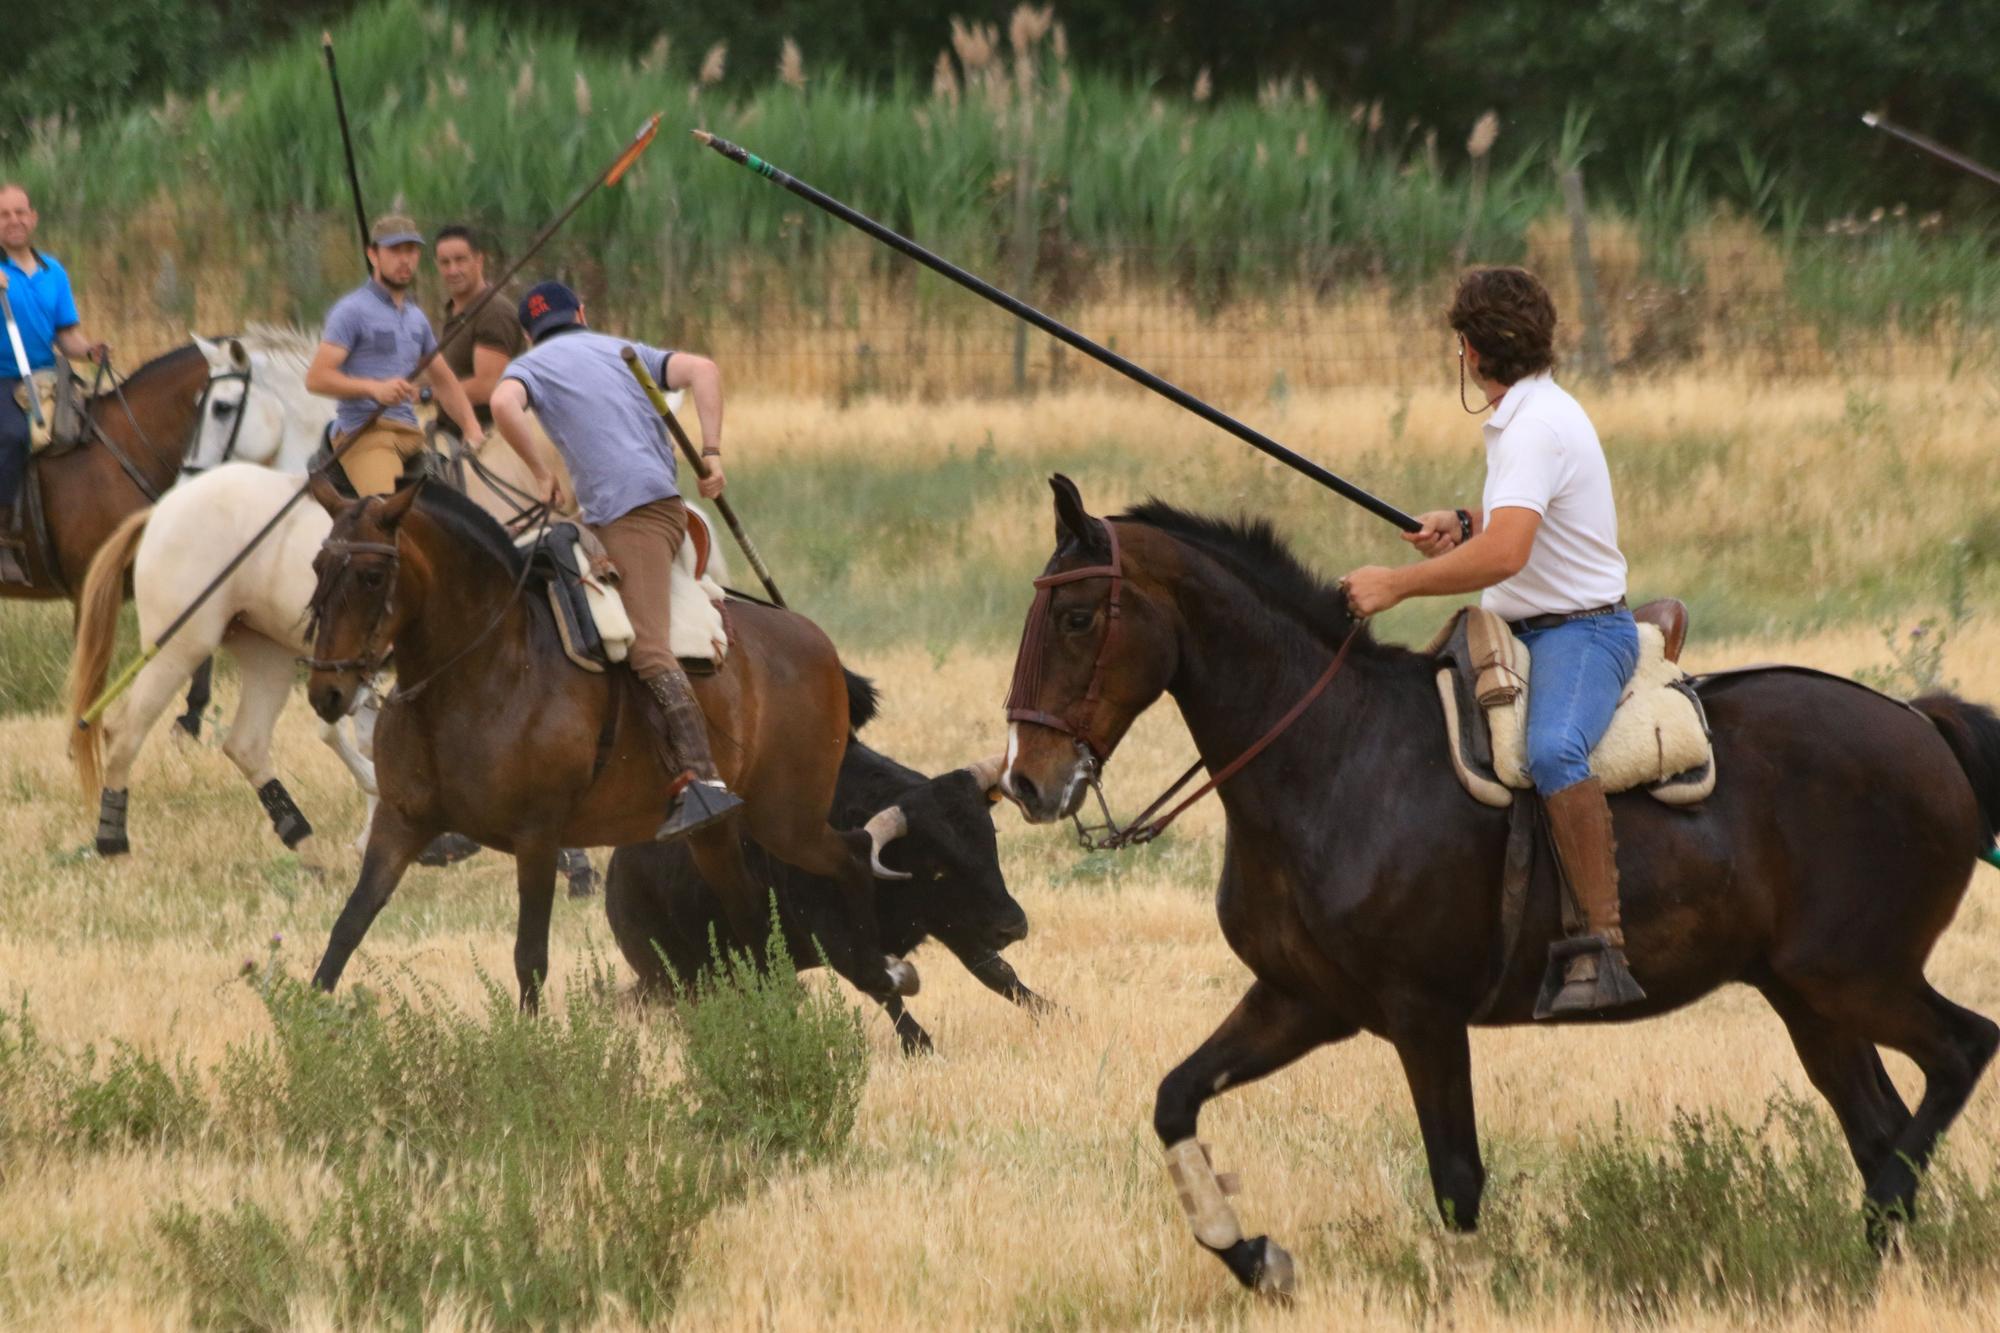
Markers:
point(510, 414)
point(326, 378)
point(700, 377)
point(1497, 552)
point(73, 341)
point(487, 365)
point(451, 397)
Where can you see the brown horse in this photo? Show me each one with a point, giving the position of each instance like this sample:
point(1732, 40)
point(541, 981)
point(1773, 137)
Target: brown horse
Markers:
point(86, 492)
point(1361, 884)
point(507, 742)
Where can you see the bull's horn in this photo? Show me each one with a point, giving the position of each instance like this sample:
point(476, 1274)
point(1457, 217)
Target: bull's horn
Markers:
point(986, 772)
point(884, 828)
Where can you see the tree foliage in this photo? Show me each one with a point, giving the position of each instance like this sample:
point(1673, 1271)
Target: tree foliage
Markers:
point(1784, 81)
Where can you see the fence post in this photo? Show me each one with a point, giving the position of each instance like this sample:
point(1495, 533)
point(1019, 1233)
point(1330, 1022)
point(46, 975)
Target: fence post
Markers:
point(1596, 353)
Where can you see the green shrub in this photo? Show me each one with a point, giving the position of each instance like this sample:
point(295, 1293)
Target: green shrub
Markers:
point(770, 1061)
point(240, 1266)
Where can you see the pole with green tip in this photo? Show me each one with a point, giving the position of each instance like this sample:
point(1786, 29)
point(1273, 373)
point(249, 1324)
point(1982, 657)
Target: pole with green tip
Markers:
point(1020, 309)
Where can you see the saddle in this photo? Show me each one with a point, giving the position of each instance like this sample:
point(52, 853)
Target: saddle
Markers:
point(61, 394)
point(1658, 738)
point(590, 617)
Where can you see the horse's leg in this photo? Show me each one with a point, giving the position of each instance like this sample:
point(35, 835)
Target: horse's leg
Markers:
point(535, 881)
point(266, 671)
point(1265, 1032)
point(393, 842)
point(1848, 1072)
point(1437, 1062)
point(1952, 1046)
point(200, 691)
point(124, 729)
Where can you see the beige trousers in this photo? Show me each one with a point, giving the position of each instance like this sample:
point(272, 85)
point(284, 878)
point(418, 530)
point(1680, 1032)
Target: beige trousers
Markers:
point(376, 459)
point(643, 543)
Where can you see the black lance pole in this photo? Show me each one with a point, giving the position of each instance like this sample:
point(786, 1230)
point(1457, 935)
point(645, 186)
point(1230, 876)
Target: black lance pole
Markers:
point(610, 176)
point(1256, 439)
point(700, 466)
point(346, 143)
point(1931, 146)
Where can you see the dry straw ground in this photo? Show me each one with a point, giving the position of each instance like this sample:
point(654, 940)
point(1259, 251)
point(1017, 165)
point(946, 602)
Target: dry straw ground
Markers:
point(1012, 1180)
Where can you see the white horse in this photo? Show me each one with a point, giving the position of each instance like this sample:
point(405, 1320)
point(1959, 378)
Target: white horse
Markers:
point(258, 614)
point(256, 408)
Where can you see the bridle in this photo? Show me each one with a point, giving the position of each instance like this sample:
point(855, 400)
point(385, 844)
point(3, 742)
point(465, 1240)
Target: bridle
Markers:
point(188, 464)
point(374, 655)
point(1076, 721)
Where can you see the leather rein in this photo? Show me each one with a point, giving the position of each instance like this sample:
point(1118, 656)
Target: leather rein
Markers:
point(1076, 721)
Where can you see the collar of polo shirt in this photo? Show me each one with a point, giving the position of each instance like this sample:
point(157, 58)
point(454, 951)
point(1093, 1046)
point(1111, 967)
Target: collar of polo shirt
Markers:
point(1517, 393)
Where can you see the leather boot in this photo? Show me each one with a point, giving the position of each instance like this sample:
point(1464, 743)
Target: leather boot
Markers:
point(699, 796)
point(1593, 972)
point(13, 566)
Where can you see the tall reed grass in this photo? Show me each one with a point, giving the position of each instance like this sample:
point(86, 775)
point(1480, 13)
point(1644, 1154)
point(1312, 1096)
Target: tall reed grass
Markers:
point(1079, 186)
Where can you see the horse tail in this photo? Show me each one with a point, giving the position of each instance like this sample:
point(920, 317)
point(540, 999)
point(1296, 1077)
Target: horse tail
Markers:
point(96, 636)
point(863, 700)
point(1973, 733)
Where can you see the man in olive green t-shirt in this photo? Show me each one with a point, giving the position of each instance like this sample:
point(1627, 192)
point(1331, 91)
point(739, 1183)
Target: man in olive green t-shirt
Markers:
point(477, 352)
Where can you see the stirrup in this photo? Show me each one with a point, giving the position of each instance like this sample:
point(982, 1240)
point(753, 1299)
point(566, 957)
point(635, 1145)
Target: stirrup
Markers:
point(699, 805)
point(1607, 985)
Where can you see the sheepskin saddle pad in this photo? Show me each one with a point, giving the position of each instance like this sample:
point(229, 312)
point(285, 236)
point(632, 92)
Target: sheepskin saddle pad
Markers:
point(1658, 738)
point(591, 617)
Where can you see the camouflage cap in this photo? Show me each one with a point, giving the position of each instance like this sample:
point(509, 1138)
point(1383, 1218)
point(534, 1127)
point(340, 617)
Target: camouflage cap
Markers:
point(394, 229)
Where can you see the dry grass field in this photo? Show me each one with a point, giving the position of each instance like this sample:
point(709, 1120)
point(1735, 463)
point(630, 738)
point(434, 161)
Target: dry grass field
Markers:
point(1013, 1180)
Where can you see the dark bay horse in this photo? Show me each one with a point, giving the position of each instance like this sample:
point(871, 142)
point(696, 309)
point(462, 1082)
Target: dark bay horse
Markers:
point(1361, 884)
point(86, 492)
point(507, 742)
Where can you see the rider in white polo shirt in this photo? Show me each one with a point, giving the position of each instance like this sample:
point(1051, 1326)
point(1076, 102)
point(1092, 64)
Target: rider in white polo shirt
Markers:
point(1542, 551)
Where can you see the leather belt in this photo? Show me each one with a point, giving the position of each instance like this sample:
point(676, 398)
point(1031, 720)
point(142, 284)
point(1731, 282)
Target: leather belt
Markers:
point(1555, 618)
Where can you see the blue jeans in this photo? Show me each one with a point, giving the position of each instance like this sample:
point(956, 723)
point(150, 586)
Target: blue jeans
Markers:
point(13, 441)
point(1577, 671)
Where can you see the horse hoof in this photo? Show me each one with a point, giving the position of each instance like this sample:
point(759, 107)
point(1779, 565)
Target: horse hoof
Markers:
point(903, 978)
point(1275, 1277)
point(118, 846)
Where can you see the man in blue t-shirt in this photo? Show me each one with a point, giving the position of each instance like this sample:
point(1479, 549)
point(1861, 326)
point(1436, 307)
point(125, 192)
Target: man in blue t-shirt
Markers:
point(44, 309)
point(628, 484)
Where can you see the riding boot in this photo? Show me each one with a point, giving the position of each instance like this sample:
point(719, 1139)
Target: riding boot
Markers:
point(1593, 972)
point(12, 569)
point(700, 796)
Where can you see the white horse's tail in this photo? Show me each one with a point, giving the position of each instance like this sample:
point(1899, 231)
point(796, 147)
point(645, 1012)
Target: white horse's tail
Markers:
point(96, 636)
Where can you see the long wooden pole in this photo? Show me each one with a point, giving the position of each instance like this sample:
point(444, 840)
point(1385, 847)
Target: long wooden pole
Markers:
point(609, 176)
point(346, 144)
point(700, 466)
point(1022, 310)
point(1931, 146)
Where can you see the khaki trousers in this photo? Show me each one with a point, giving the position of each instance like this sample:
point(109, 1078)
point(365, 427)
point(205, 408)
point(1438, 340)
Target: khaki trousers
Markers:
point(376, 460)
point(643, 543)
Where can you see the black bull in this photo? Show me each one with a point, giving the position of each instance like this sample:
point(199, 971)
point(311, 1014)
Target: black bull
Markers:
point(955, 893)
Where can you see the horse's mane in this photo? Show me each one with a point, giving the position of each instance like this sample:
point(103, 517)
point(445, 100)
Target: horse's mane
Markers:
point(1251, 549)
point(465, 521)
point(158, 363)
point(281, 342)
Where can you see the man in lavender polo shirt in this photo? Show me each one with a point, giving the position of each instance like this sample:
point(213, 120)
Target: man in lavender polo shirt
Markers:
point(373, 339)
point(628, 484)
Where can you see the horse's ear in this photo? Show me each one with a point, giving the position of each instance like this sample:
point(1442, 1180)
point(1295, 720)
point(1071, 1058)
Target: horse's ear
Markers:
point(327, 494)
point(1073, 521)
point(237, 356)
point(396, 506)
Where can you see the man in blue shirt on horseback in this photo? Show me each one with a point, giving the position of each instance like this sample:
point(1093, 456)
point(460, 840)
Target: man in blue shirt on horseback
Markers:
point(1542, 552)
point(628, 486)
point(44, 316)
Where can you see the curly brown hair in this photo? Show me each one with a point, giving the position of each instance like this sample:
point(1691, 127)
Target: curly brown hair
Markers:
point(1507, 315)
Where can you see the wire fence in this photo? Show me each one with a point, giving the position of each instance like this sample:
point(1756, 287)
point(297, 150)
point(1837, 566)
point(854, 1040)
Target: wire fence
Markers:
point(849, 321)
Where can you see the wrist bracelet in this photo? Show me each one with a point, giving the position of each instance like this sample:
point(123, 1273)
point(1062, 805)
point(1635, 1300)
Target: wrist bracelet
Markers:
point(1464, 525)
